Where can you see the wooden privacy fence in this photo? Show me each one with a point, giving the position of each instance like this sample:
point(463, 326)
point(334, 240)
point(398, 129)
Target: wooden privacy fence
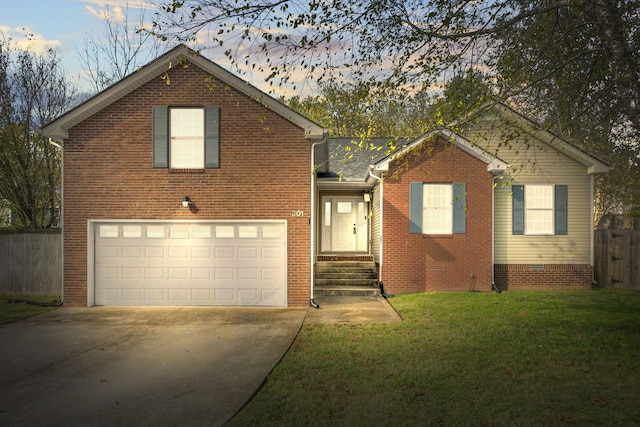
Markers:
point(617, 259)
point(31, 264)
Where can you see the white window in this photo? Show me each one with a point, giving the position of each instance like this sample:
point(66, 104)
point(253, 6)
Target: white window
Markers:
point(437, 209)
point(186, 138)
point(538, 202)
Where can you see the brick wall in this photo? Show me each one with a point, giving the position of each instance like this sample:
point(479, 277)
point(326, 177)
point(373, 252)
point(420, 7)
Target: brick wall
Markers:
point(425, 263)
point(539, 277)
point(108, 173)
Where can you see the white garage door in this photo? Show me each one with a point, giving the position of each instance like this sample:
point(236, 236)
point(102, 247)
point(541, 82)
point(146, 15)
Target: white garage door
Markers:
point(200, 263)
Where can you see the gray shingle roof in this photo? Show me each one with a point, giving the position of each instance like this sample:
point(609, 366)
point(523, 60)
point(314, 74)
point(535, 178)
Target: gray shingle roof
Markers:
point(350, 158)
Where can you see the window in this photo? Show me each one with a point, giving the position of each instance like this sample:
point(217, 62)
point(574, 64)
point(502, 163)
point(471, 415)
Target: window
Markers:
point(539, 209)
point(186, 138)
point(437, 208)
point(538, 203)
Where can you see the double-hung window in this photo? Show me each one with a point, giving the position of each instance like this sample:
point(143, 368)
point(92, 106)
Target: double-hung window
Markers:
point(437, 208)
point(186, 137)
point(539, 209)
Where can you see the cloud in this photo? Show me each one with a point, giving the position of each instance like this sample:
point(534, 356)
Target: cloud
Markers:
point(26, 39)
point(115, 10)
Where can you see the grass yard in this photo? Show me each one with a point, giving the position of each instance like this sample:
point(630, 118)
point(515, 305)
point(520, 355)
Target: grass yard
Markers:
point(557, 358)
point(10, 312)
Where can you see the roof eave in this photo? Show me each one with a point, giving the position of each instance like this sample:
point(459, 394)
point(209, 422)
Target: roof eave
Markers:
point(493, 163)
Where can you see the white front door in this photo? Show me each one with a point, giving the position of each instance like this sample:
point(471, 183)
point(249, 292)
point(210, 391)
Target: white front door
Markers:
point(344, 224)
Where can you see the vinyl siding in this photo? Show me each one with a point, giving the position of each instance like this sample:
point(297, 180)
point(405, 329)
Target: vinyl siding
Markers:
point(375, 222)
point(534, 162)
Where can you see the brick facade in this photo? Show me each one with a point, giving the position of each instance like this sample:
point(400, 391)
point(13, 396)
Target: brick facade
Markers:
point(263, 174)
point(426, 263)
point(542, 277)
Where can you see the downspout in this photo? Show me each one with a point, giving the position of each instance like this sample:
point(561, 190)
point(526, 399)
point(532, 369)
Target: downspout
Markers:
point(61, 214)
point(493, 232)
point(381, 234)
point(312, 254)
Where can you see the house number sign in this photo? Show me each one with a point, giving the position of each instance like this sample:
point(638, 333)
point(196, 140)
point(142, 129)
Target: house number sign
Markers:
point(297, 213)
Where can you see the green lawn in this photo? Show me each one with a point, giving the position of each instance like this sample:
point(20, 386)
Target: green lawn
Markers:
point(557, 358)
point(10, 312)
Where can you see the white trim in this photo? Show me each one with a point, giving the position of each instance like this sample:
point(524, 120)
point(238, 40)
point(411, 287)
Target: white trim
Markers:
point(91, 258)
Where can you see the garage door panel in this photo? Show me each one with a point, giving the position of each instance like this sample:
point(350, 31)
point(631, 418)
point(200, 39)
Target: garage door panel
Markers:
point(247, 273)
point(154, 273)
point(107, 251)
point(249, 252)
point(190, 264)
point(225, 295)
point(203, 295)
point(271, 274)
point(178, 273)
point(180, 252)
point(132, 252)
point(203, 252)
point(154, 252)
point(131, 273)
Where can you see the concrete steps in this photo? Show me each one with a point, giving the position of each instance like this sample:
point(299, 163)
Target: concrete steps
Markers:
point(346, 278)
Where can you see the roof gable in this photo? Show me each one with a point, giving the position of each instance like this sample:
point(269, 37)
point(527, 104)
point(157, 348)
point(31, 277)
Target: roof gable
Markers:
point(58, 129)
point(532, 128)
point(494, 164)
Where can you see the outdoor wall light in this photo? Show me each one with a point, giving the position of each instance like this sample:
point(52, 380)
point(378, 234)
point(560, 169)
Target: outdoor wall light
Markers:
point(185, 202)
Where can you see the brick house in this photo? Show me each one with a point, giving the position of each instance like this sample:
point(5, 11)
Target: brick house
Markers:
point(185, 185)
point(498, 202)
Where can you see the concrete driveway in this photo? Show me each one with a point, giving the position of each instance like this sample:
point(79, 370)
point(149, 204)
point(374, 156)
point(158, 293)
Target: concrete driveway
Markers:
point(139, 366)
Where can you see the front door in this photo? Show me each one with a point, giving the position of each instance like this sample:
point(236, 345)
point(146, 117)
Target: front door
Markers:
point(344, 224)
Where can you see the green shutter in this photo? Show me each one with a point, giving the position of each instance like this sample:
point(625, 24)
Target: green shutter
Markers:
point(211, 137)
point(560, 214)
point(459, 208)
point(415, 208)
point(518, 209)
point(160, 137)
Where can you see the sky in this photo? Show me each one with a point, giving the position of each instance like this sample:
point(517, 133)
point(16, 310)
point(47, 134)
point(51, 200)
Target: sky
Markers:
point(64, 25)
point(59, 24)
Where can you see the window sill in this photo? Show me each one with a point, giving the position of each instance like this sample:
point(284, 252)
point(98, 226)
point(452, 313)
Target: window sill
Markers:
point(186, 170)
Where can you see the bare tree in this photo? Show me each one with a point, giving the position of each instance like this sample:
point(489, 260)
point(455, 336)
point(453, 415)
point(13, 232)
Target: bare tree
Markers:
point(120, 50)
point(33, 91)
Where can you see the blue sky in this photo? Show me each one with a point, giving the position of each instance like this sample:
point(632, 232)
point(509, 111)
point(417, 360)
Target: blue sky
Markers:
point(59, 24)
point(64, 25)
